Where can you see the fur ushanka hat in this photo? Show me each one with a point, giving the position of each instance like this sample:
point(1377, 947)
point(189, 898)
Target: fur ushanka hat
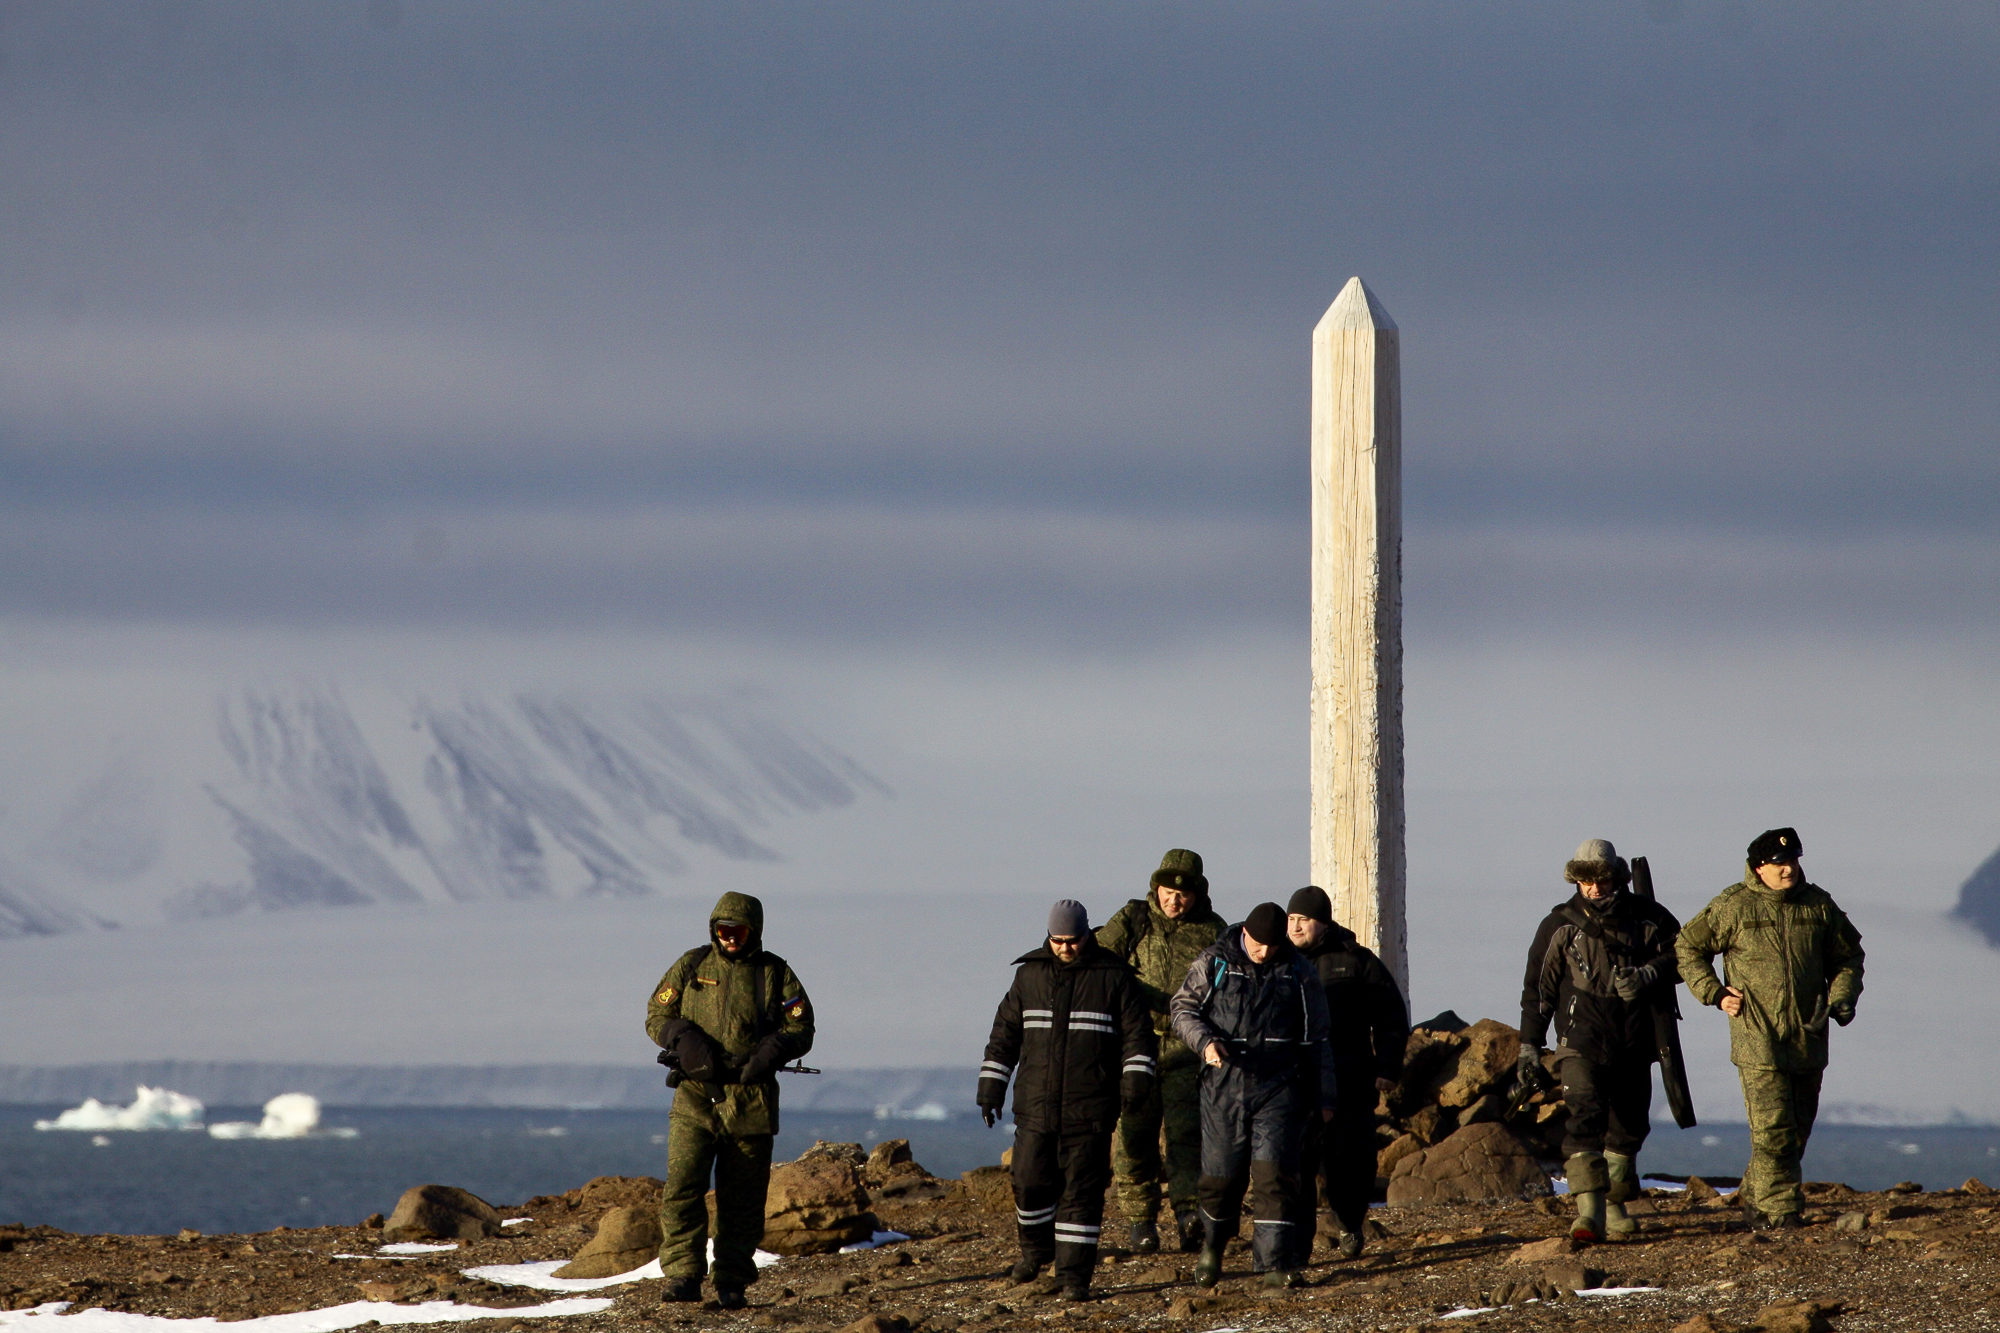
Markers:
point(1597, 862)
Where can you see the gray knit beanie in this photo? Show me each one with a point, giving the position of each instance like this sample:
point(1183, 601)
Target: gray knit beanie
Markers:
point(1068, 920)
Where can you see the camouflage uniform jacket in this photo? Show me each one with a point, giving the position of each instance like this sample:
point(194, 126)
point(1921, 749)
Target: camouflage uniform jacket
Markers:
point(1160, 949)
point(738, 1002)
point(1792, 955)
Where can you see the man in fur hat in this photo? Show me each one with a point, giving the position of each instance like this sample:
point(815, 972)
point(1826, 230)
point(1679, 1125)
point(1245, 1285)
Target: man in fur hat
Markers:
point(1598, 963)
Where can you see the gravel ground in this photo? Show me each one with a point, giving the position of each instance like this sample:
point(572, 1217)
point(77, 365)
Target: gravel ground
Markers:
point(1919, 1261)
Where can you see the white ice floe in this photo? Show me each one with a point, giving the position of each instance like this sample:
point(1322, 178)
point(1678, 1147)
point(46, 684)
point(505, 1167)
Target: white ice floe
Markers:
point(151, 1108)
point(289, 1115)
point(416, 1247)
point(305, 1321)
point(879, 1238)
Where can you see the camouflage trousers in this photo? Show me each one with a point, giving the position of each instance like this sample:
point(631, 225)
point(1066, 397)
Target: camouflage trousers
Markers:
point(741, 1167)
point(1782, 1104)
point(1136, 1159)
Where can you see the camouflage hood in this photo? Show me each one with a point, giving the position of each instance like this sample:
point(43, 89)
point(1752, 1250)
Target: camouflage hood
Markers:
point(739, 907)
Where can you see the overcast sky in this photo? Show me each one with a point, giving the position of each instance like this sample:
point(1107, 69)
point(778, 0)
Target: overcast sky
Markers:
point(943, 368)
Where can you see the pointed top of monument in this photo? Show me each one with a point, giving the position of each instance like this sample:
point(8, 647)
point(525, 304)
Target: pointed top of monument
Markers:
point(1356, 308)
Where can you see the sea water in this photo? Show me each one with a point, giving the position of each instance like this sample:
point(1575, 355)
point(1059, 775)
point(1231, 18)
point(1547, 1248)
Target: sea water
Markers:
point(159, 1181)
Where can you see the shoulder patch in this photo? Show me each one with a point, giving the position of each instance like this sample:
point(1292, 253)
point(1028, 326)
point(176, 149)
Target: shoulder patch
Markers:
point(796, 1008)
point(666, 995)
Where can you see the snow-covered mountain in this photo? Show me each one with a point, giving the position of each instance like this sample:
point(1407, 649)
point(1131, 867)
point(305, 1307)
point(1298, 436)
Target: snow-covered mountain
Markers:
point(295, 799)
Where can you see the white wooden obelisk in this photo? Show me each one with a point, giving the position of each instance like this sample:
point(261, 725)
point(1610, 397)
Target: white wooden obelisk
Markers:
point(1357, 622)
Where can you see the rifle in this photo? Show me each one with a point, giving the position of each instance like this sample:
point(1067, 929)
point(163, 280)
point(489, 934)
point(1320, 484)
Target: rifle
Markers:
point(1667, 1024)
point(675, 1077)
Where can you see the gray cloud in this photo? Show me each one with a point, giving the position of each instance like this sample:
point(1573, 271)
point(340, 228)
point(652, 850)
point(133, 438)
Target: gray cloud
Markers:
point(277, 279)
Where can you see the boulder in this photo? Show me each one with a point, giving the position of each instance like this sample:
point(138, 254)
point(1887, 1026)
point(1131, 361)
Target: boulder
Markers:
point(1797, 1317)
point(1541, 1251)
point(1699, 1193)
point(1485, 1062)
point(620, 1192)
point(441, 1212)
point(818, 1203)
point(1476, 1164)
point(1385, 1161)
point(884, 1155)
point(627, 1238)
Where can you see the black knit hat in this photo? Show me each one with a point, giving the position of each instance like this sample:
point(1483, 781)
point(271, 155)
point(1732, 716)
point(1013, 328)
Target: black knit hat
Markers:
point(1266, 924)
point(1311, 901)
point(1776, 844)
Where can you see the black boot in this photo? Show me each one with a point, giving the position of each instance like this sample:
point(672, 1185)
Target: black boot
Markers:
point(1189, 1226)
point(1208, 1268)
point(731, 1298)
point(1025, 1270)
point(1145, 1237)
point(681, 1289)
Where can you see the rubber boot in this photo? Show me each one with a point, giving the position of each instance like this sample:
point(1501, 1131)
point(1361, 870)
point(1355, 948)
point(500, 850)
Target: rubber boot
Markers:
point(1145, 1237)
point(1623, 1173)
point(1188, 1225)
point(1208, 1268)
point(1588, 1183)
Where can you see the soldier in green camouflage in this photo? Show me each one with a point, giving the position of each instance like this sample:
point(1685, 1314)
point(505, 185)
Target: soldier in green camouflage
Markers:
point(727, 1014)
point(1160, 935)
point(1791, 961)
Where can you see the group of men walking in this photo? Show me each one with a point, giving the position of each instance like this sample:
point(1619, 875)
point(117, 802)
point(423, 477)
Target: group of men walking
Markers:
point(1200, 1063)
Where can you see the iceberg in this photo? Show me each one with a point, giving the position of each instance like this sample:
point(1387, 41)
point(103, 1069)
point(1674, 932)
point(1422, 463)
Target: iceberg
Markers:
point(151, 1108)
point(289, 1115)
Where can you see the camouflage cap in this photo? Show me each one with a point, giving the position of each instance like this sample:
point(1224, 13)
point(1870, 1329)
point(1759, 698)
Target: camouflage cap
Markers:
point(1181, 869)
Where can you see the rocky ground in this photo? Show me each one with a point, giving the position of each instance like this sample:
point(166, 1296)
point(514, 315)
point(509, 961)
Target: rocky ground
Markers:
point(1928, 1261)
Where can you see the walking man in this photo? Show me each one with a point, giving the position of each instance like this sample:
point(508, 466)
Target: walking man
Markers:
point(1159, 935)
point(1367, 1027)
point(727, 1015)
point(1791, 961)
point(1075, 1026)
point(1599, 964)
point(1257, 1014)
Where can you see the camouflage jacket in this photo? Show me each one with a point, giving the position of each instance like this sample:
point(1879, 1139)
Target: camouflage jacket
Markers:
point(1160, 949)
point(1792, 955)
point(738, 1002)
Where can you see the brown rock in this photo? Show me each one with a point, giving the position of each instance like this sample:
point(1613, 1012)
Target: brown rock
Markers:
point(1432, 1124)
point(1484, 1063)
point(1573, 1276)
point(1976, 1186)
point(887, 1153)
point(817, 1203)
point(621, 1192)
point(441, 1212)
point(1478, 1163)
point(1797, 1317)
point(377, 1291)
point(1404, 1146)
point(878, 1323)
point(627, 1238)
point(991, 1187)
point(1699, 1192)
point(1541, 1251)
point(1705, 1323)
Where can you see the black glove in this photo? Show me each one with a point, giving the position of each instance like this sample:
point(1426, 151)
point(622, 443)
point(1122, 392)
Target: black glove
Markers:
point(990, 1114)
point(700, 1058)
point(1530, 1071)
point(764, 1061)
point(1628, 982)
point(1843, 1013)
point(1134, 1090)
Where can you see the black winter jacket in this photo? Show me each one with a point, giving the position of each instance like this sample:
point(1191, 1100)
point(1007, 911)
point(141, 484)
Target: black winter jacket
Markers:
point(1075, 1031)
point(1270, 1017)
point(1368, 1024)
point(1569, 976)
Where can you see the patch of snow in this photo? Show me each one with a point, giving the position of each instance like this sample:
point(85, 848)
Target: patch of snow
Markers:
point(1615, 1291)
point(879, 1238)
point(541, 1277)
point(151, 1108)
point(515, 1221)
point(289, 1115)
point(1468, 1313)
point(1654, 1182)
point(416, 1247)
point(305, 1321)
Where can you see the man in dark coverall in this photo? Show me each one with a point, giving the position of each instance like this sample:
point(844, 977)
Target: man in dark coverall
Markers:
point(1597, 964)
point(1076, 1026)
point(1367, 1027)
point(728, 1014)
point(1256, 1012)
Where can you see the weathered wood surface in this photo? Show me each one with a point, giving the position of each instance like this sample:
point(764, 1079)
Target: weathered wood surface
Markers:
point(1357, 621)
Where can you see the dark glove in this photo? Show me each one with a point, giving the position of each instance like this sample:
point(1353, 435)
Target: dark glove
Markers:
point(1843, 1013)
point(700, 1058)
point(1530, 1071)
point(1629, 982)
point(764, 1061)
point(990, 1114)
point(1134, 1090)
